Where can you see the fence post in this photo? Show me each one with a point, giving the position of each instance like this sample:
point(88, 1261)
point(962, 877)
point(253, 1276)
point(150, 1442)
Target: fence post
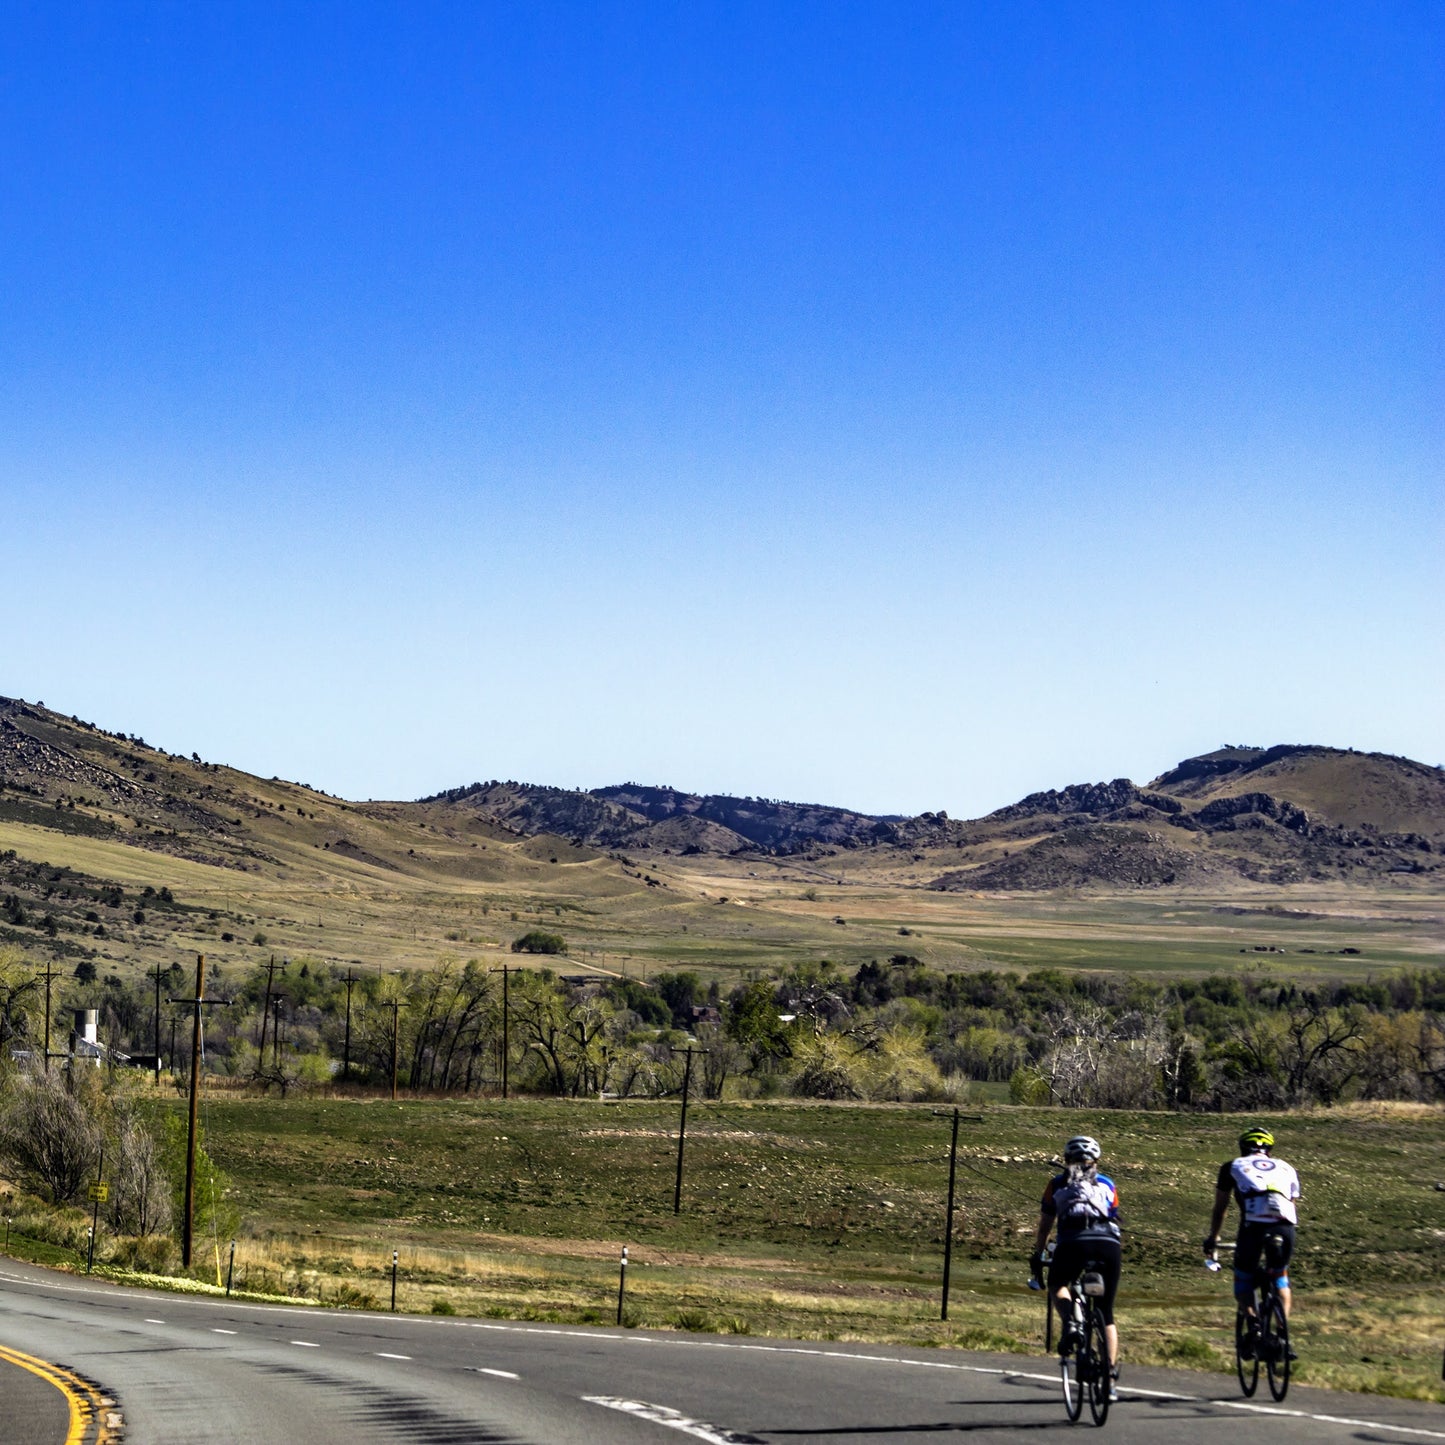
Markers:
point(621, 1284)
point(393, 1280)
point(231, 1269)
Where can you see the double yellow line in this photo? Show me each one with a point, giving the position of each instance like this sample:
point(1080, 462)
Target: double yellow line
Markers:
point(90, 1413)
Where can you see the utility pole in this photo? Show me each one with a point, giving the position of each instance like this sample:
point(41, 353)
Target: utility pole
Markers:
point(395, 1016)
point(948, 1221)
point(682, 1128)
point(266, 1007)
point(49, 975)
point(506, 1026)
point(197, 1003)
point(350, 982)
point(157, 973)
point(276, 1034)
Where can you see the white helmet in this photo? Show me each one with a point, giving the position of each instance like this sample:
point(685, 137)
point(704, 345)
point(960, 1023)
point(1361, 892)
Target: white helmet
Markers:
point(1082, 1149)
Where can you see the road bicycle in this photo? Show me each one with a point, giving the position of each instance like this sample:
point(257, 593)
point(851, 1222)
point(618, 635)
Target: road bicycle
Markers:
point(1084, 1370)
point(1262, 1337)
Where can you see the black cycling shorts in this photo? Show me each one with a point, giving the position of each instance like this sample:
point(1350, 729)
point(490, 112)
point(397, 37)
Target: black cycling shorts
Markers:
point(1249, 1247)
point(1070, 1257)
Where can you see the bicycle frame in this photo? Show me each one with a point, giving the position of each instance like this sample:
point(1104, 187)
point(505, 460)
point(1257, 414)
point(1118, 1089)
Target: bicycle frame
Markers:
point(1084, 1367)
point(1264, 1335)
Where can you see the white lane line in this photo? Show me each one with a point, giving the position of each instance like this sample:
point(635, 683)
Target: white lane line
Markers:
point(674, 1419)
point(223, 1332)
point(500, 1374)
point(306, 1344)
point(386, 1355)
point(155, 1322)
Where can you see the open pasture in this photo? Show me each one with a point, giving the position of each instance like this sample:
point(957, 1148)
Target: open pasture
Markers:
point(827, 1221)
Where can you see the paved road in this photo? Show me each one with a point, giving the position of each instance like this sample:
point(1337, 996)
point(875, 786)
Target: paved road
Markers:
point(33, 1408)
point(189, 1370)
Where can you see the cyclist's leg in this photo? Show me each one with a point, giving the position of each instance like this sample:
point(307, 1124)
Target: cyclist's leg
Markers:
point(1107, 1253)
point(1279, 1264)
point(1248, 1247)
point(1063, 1270)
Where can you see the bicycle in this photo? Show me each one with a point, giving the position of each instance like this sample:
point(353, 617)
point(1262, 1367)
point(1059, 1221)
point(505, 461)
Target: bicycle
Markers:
point(1265, 1334)
point(1084, 1370)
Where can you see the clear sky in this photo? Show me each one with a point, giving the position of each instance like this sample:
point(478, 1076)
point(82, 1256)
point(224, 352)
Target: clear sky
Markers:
point(897, 406)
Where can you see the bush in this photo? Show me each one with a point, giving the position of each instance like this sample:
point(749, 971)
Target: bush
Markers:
point(51, 1137)
point(155, 1254)
point(538, 941)
point(1028, 1086)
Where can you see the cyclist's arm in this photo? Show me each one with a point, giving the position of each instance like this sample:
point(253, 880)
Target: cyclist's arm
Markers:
point(1221, 1208)
point(1046, 1224)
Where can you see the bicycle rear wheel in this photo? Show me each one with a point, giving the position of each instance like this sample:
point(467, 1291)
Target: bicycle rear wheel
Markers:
point(1069, 1378)
point(1276, 1355)
point(1246, 1354)
point(1096, 1351)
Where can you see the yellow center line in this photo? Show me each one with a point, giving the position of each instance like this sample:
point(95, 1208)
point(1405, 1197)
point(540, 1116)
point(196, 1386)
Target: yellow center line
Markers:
point(83, 1399)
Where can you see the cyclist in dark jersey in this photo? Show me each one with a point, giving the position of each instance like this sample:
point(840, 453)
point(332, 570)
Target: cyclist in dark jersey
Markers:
point(1085, 1206)
point(1267, 1191)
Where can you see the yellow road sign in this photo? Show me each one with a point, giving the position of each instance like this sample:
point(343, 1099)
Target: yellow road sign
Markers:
point(98, 1192)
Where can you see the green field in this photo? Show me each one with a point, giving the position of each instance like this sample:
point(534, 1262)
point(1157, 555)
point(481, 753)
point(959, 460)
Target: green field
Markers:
point(827, 1221)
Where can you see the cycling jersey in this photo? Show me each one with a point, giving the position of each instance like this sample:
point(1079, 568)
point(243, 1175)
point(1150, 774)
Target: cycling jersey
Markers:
point(1087, 1207)
point(1264, 1188)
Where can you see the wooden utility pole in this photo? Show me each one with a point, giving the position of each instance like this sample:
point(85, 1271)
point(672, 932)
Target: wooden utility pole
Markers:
point(157, 973)
point(276, 1034)
point(350, 981)
point(948, 1219)
point(395, 1016)
point(506, 1025)
point(197, 1003)
point(49, 975)
point(266, 1008)
point(682, 1128)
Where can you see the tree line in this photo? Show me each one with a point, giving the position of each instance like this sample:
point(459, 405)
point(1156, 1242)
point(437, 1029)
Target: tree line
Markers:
point(890, 1029)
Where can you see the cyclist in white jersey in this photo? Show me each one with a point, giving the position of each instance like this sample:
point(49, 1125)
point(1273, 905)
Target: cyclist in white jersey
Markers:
point(1268, 1193)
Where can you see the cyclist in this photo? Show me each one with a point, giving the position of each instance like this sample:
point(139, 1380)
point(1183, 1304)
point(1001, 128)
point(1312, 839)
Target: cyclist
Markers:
point(1085, 1206)
point(1268, 1193)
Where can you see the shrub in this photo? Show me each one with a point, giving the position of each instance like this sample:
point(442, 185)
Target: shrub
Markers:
point(51, 1137)
point(538, 941)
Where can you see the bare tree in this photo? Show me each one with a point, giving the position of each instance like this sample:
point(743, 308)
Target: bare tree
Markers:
point(51, 1137)
point(140, 1201)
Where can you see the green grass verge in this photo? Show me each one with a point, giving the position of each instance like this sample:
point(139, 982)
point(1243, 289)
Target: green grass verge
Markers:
point(826, 1221)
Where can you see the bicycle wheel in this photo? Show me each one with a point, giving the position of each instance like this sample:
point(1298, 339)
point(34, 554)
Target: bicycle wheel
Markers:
point(1096, 1350)
point(1246, 1354)
point(1275, 1348)
point(1069, 1377)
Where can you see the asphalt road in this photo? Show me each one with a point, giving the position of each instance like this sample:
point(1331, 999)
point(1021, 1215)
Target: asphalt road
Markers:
point(186, 1370)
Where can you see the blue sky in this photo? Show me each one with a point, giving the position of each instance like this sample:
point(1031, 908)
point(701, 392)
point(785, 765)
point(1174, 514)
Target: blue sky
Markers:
point(901, 407)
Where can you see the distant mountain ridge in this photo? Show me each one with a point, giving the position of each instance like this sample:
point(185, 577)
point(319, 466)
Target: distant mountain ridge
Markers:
point(1273, 815)
point(639, 816)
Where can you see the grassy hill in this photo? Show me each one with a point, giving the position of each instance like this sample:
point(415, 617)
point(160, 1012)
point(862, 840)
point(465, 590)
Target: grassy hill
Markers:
point(125, 855)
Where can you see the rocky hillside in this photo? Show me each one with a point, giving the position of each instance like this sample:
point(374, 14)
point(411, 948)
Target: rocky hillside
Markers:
point(630, 815)
point(1269, 815)
point(1265, 815)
